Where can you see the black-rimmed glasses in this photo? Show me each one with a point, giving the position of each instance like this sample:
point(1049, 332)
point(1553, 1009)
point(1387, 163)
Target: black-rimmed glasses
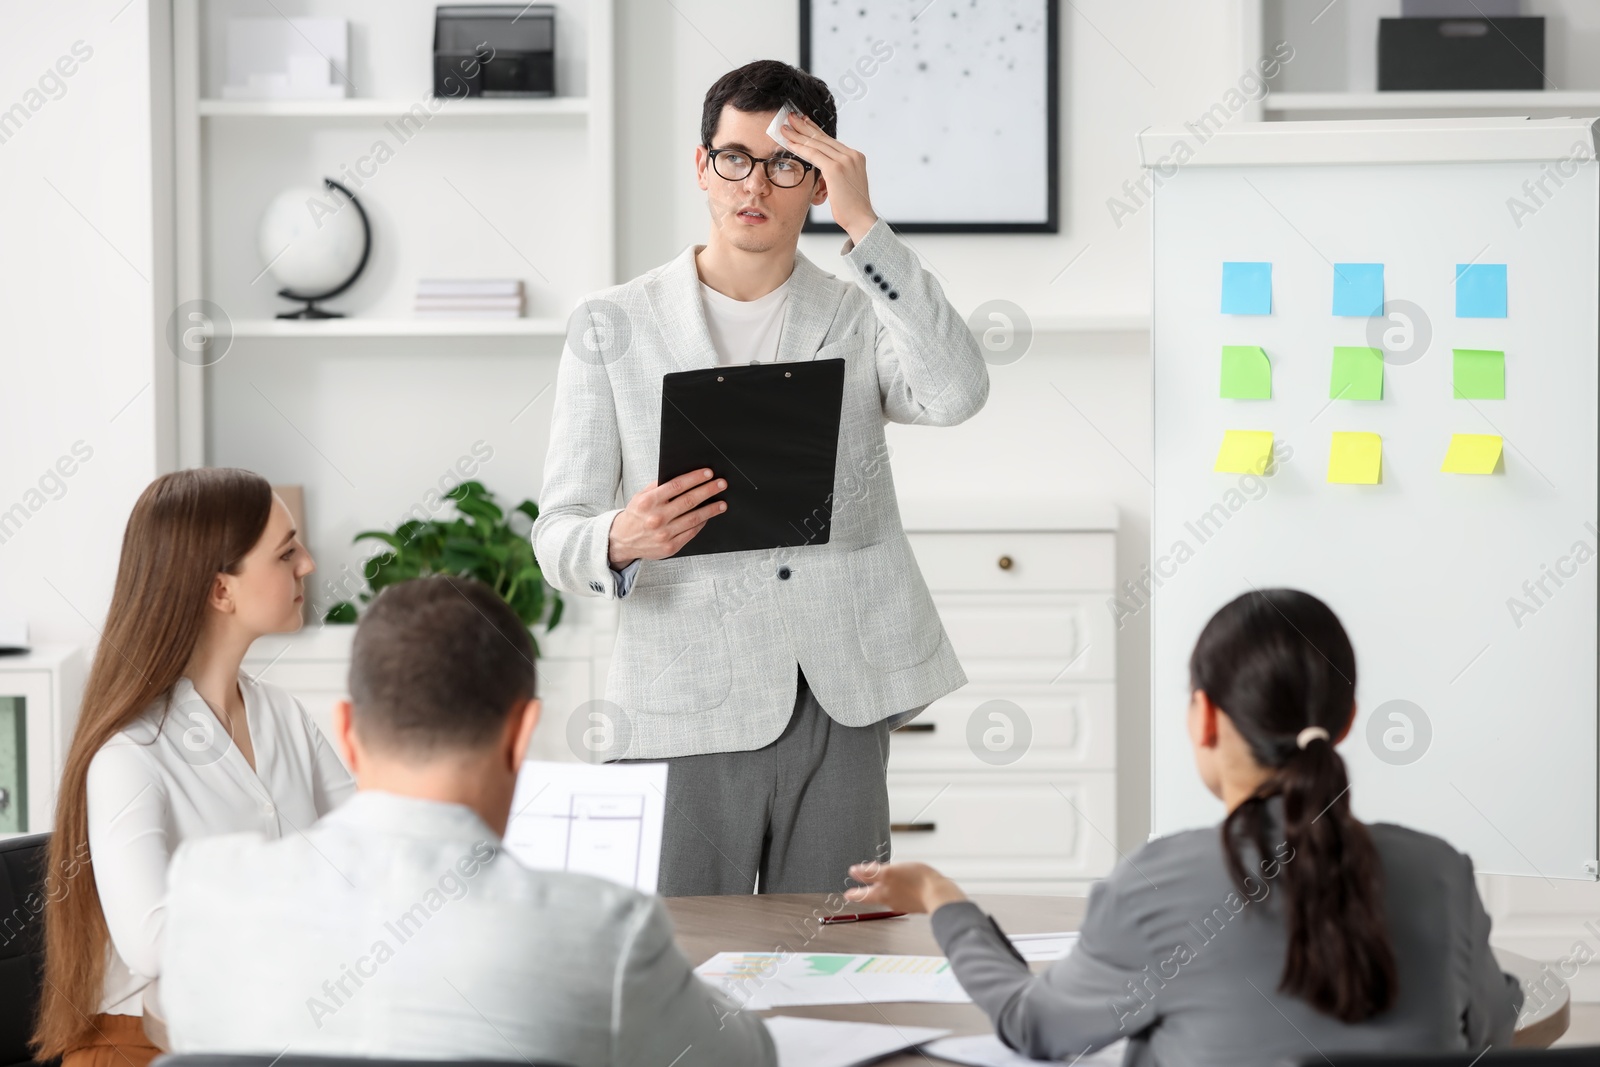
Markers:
point(785, 172)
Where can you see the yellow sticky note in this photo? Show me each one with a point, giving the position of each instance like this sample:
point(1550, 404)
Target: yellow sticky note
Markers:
point(1472, 453)
point(1244, 452)
point(1355, 459)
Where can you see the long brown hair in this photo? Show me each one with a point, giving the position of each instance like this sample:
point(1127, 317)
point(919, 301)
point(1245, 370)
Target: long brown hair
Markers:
point(186, 528)
point(1277, 661)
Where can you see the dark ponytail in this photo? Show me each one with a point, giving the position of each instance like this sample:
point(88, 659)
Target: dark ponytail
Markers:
point(1277, 662)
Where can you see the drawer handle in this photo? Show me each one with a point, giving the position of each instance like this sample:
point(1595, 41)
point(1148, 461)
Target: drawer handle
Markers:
point(913, 827)
point(917, 728)
point(1005, 563)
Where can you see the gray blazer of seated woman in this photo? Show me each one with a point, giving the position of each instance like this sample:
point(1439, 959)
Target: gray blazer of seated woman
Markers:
point(1296, 930)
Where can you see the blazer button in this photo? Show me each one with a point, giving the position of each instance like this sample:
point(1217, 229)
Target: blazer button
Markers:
point(867, 268)
point(783, 572)
point(893, 295)
point(878, 278)
point(884, 286)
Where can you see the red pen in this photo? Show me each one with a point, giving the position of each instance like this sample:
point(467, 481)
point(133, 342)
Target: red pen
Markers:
point(860, 917)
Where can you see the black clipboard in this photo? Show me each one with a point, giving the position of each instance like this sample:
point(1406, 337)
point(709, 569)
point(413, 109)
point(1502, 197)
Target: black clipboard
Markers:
point(770, 429)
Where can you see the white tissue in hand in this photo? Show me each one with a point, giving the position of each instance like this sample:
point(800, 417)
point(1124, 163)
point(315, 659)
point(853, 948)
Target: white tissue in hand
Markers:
point(778, 120)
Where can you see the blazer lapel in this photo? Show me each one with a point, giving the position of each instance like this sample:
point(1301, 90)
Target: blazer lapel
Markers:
point(810, 310)
point(679, 314)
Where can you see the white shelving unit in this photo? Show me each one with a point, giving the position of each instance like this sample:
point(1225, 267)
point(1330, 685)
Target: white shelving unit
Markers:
point(1333, 72)
point(487, 188)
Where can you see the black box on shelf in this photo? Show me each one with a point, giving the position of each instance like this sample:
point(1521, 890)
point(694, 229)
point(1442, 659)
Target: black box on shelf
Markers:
point(494, 50)
point(1461, 53)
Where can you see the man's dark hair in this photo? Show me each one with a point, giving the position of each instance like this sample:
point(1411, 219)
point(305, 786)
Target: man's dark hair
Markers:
point(766, 85)
point(437, 664)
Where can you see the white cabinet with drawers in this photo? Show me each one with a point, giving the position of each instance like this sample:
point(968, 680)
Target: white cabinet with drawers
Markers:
point(314, 665)
point(1009, 783)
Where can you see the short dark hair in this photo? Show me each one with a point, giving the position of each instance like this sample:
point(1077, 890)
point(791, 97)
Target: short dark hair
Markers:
point(437, 664)
point(766, 85)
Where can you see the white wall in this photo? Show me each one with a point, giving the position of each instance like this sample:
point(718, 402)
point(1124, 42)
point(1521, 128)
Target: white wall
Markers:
point(84, 270)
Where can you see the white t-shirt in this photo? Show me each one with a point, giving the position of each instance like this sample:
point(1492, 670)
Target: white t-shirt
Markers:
point(745, 331)
point(149, 790)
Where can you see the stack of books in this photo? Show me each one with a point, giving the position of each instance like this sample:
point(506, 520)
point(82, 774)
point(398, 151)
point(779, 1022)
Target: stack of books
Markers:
point(469, 298)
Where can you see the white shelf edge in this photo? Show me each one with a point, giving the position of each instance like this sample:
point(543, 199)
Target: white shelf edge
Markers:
point(1070, 323)
point(359, 107)
point(358, 327)
point(1466, 101)
point(355, 327)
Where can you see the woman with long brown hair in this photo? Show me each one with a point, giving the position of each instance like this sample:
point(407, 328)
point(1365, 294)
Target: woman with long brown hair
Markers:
point(174, 741)
point(1292, 929)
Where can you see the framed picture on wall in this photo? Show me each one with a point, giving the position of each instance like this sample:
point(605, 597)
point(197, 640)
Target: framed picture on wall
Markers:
point(953, 104)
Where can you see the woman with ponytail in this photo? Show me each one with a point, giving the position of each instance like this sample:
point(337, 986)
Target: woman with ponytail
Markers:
point(1292, 929)
point(173, 741)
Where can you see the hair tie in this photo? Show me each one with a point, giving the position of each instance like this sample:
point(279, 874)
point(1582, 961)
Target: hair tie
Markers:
point(1310, 734)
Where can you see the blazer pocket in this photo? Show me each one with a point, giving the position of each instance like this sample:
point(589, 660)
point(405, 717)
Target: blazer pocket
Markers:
point(673, 647)
point(896, 622)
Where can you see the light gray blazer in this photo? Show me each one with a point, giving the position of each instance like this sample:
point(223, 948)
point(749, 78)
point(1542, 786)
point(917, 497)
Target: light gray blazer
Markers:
point(1215, 1000)
point(707, 645)
point(396, 927)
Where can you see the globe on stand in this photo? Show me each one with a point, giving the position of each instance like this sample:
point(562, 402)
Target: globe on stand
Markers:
point(314, 251)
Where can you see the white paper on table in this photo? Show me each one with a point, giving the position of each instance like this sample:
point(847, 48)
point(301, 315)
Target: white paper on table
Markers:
point(1044, 947)
point(830, 1043)
point(987, 1050)
point(600, 819)
point(761, 980)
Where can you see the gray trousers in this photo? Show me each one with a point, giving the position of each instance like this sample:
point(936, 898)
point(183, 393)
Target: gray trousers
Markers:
point(790, 817)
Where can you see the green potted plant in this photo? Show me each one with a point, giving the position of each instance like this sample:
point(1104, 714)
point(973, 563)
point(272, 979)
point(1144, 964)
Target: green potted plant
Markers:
point(479, 542)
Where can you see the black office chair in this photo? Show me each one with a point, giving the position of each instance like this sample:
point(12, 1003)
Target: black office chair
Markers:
point(1572, 1056)
point(22, 867)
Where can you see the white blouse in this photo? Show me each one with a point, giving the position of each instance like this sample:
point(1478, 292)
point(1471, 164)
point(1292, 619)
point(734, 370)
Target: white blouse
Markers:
point(156, 784)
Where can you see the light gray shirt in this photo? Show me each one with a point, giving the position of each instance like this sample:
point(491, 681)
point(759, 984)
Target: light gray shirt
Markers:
point(396, 927)
point(1175, 958)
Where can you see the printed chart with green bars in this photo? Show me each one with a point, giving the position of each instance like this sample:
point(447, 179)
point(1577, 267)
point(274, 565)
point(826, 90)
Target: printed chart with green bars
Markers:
point(1372, 384)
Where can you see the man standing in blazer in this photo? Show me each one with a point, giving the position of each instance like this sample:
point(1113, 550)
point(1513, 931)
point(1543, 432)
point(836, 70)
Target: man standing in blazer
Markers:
point(767, 679)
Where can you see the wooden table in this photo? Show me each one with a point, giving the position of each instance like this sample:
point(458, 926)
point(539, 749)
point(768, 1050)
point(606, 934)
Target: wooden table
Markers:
point(778, 922)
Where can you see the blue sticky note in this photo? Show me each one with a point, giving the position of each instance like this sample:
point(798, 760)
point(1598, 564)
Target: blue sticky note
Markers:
point(1480, 290)
point(1247, 288)
point(1358, 289)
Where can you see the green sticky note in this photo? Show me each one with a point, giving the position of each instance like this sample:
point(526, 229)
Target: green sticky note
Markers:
point(1480, 374)
point(1357, 374)
point(1246, 373)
